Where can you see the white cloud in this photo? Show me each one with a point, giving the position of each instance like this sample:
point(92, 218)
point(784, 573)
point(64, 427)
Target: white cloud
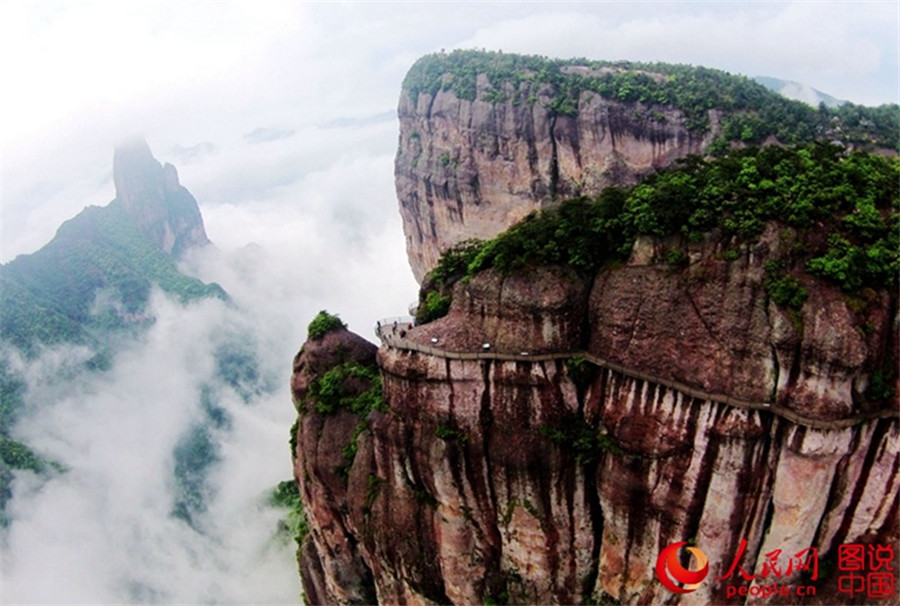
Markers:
point(843, 48)
point(104, 528)
point(102, 531)
point(115, 54)
point(319, 207)
point(80, 76)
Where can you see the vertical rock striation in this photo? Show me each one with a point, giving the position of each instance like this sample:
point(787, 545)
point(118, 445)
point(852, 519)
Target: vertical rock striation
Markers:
point(470, 169)
point(333, 568)
point(558, 475)
point(151, 194)
point(551, 435)
point(487, 138)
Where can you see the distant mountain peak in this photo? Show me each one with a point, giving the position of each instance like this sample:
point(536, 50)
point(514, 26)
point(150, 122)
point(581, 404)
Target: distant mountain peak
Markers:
point(151, 194)
point(98, 272)
point(799, 92)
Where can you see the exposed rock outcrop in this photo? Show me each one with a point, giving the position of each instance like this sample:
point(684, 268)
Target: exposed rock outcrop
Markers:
point(151, 194)
point(470, 169)
point(711, 326)
point(551, 435)
point(632, 422)
point(487, 138)
point(334, 569)
point(98, 271)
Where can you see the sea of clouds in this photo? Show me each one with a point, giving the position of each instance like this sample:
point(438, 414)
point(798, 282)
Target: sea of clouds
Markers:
point(104, 531)
point(281, 121)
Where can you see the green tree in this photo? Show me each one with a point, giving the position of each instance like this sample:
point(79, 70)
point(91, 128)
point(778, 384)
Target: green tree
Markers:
point(323, 324)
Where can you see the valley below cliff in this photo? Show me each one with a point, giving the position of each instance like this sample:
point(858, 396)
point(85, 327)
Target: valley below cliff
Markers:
point(140, 408)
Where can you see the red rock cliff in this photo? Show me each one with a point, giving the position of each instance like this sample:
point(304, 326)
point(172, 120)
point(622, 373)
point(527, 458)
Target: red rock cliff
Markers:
point(486, 138)
point(601, 425)
point(544, 441)
point(470, 169)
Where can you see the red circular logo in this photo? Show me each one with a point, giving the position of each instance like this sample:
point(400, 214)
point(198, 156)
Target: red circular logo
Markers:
point(669, 570)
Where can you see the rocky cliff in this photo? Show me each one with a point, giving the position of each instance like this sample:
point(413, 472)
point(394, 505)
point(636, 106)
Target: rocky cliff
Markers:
point(164, 211)
point(486, 138)
point(91, 285)
point(470, 169)
point(98, 271)
point(723, 373)
point(602, 425)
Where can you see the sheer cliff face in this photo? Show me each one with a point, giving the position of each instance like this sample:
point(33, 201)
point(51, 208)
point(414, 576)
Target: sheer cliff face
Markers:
point(544, 441)
point(164, 211)
point(702, 412)
point(470, 169)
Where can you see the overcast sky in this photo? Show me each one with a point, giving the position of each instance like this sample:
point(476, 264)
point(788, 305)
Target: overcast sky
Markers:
point(281, 119)
point(325, 78)
point(281, 116)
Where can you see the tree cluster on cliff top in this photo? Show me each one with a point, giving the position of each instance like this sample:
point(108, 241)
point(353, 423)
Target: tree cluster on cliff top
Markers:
point(323, 324)
point(751, 113)
point(843, 206)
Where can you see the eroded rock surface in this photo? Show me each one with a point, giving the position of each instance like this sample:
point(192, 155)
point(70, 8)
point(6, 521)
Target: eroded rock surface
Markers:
point(544, 441)
point(470, 169)
point(151, 194)
point(553, 480)
point(332, 567)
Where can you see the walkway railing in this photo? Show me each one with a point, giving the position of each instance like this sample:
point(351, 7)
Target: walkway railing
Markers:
point(392, 333)
point(388, 327)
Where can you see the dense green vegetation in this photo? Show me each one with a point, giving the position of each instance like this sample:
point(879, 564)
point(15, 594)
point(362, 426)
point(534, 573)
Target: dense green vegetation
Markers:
point(455, 261)
point(750, 111)
point(27, 318)
point(350, 386)
point(785, 290)
point(287, 496)
point(95, 275)
point(195, 455)
point(840, 209)
point(91, 282)
point(18, 456)
point(434, 306)
point(434, 296)
point(323, 324)
point(12, 390)
point(238, 367)
point(581, 233)
point(14, 455)
point(347, 386)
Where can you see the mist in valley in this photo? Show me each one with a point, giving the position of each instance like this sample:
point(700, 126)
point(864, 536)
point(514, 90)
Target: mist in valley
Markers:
point(282, 124)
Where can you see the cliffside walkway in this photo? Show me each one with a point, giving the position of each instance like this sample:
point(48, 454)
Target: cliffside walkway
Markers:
point(392, 333)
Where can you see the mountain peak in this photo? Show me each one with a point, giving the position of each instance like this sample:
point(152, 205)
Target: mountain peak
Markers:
point(131, 151)
point(152, 196)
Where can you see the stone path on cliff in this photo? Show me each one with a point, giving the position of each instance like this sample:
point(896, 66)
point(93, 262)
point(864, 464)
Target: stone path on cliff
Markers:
point(392, 333)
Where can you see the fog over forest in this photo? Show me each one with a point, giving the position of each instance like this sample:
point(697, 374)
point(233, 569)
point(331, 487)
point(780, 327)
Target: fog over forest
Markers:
point(281, 120)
